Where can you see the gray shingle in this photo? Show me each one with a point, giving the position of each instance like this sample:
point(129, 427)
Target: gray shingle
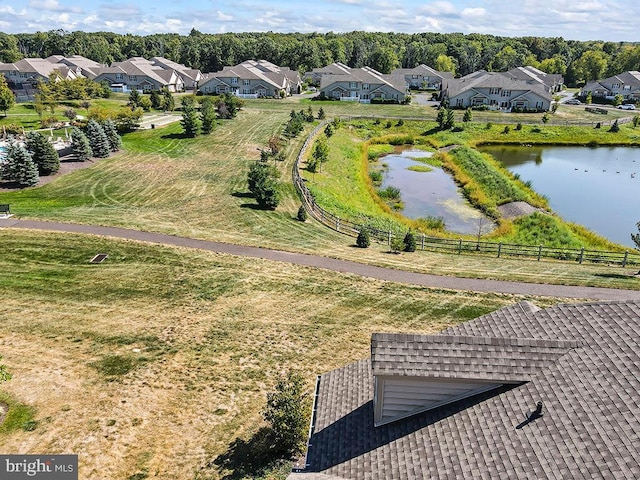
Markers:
point(591, 394)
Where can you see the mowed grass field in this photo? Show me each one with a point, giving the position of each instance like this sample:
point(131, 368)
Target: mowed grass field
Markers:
point(151, 364)
point(154, 361)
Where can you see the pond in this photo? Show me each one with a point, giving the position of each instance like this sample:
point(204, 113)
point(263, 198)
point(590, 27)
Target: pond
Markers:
point(595, 187)
point(430, 194)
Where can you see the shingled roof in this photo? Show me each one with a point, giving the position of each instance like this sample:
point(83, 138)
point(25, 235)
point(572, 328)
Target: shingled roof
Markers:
point(581, 360)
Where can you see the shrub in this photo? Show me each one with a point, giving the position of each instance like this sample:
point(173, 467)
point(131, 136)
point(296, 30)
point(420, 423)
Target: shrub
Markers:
point(363, 240)
point(409, 242)
point(389, 193)
point(519, 126)
point(506, 130)
point(376, 177)
point(302, 214)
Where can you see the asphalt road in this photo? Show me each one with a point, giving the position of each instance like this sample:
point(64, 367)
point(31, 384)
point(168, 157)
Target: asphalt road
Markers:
point(336, 265)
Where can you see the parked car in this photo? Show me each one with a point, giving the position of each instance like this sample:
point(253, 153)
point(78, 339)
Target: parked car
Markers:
point(627, 106)
point(573, 101)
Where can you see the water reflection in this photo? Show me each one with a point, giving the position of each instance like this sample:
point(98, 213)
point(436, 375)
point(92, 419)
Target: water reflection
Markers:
point(430, 194)
point(595, 187)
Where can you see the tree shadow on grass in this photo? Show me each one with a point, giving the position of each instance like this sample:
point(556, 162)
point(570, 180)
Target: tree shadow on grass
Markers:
point(431, 131)
point(242, 195)
point(251, 458)
point(176, 136)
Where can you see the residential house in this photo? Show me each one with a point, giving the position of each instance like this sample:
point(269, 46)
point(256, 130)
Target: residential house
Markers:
point(363, 85)
point(26, 73)
point(140, 74)
point(252, 79)
point(315, 75)
point(498, 92)
point(84, 66)
point(626, 84)
point(553, 82)
point(423, 77)
point(191, 77)
point(521, 392)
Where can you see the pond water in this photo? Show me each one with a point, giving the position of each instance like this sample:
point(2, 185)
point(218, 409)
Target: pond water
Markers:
point(595, 187)
point(430, 194)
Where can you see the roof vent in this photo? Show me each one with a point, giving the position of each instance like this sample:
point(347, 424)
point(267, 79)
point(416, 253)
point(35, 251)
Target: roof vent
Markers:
point(532, 416)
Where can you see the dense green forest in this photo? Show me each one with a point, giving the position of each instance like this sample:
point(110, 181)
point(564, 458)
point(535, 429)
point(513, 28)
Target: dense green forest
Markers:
point(462, 54)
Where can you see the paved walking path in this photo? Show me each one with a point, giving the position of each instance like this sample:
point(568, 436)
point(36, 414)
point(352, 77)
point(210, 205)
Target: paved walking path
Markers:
point(381, 273)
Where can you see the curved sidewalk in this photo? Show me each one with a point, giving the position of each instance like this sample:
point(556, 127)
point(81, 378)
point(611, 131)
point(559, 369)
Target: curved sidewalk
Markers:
point(336, 265)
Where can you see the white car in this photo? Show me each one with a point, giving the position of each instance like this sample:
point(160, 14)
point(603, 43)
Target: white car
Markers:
point(627, 106)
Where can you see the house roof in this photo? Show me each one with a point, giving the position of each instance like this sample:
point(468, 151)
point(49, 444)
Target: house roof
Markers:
point(585, 368)
point(494, 80)
point(261, 70)
point(532, 74)
point(422, 69)
point(365, 75)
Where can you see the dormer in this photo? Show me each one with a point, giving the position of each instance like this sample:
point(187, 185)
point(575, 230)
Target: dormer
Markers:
point(416, 373)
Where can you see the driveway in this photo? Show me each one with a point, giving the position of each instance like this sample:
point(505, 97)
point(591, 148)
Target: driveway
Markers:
point(336, 265)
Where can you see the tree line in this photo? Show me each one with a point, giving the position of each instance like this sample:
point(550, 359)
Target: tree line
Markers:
point(578, 61)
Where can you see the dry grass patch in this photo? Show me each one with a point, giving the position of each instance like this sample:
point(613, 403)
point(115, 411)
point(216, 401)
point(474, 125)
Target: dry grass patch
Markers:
point(155, 361)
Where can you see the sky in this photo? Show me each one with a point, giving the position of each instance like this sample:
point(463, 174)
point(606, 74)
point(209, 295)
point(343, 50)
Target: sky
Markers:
point(571, 19)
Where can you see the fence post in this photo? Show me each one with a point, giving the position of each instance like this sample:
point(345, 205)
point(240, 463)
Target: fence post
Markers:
point(581, 257)
point(389, 239)
point(459, 246)
point(499, 248)
point(338, 224)
point(539, 252)
point(624, 260)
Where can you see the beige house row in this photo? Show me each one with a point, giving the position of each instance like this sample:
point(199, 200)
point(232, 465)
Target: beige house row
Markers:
point(626, 84)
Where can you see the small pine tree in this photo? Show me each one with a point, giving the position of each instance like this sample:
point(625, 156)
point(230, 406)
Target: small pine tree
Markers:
point(134, 99)
point(156, 100)
point(207, 115)
point(615, 128)
point(168, 102)
point(190, 122)
point(42, 153)
point(409, 242)
point(262, 180)
point(302, 214)
point(321, 114)
point(115, 142)
point(18, 166)
point(97, 139)
point(80, 145)
point(363, 240)
point(468, 116)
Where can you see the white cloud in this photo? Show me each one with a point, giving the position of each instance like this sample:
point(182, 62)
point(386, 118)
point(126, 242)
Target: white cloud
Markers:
point(223, 17)
point(473, 12)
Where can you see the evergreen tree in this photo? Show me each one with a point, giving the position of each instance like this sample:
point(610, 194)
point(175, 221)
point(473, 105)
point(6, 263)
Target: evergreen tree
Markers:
point(263, 184)
point(42, 153)
point(363, 240)
point(7, 99)
point(134, 99)
point(156, 100)
point(321, 114)
point(207, 115)
point(190, 122)
point(168, 103)
point(18, 166)
point(468, 116)
point(110, 130)
point(80, 145)
point(409, 242)
point(97, 139)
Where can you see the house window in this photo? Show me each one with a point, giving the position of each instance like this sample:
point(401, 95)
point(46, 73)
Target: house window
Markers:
point(353, 84)
point(13, 72)
point(234, 81)
point(246, 91)
point(133, 78)
point(459, 102)
point(23, 75)
point(615, 85)
point(494, 91)
point(626, 87)
point(504, 104)
point(365, 86)
point(506, 93)
point(119, 76)
point(365, 96)
point(245, 82)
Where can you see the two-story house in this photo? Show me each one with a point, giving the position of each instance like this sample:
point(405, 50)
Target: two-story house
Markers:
point(140, 74)
point(497, 91)
point(423, 77)
point(26, 73)
point(626, 84)
point(252, 79)
point(553, 82)
point(363, 85)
